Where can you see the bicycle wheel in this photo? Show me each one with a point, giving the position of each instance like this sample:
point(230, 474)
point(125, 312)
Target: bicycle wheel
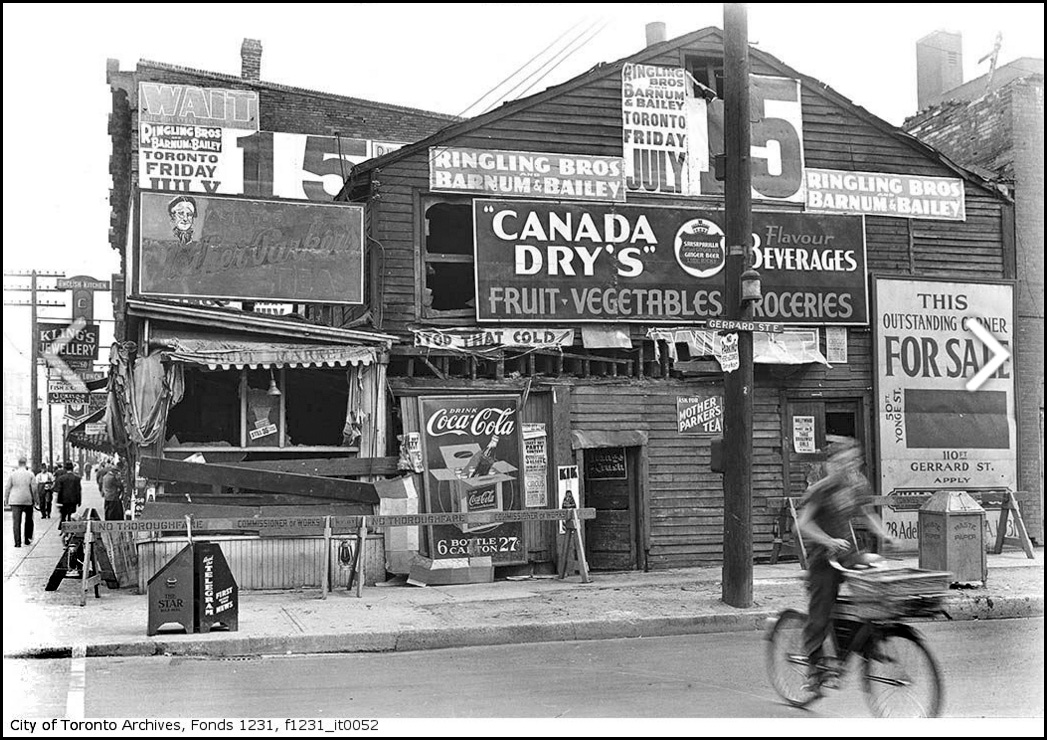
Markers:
point(786, 660)
point(901, 677)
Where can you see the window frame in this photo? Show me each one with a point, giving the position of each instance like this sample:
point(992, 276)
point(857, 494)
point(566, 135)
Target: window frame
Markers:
point(424, 201)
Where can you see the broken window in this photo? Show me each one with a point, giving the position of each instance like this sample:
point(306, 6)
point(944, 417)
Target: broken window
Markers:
point(708, 71)
point(266, 408)
point(448, 288)
point(317, 402)
point(209, 412)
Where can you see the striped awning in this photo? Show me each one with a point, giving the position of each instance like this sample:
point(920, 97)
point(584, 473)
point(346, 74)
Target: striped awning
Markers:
point(223, 354)
point(79, 438)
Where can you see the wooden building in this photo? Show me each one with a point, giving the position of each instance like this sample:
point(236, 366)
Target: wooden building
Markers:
point(223, 214)
point(614, 380)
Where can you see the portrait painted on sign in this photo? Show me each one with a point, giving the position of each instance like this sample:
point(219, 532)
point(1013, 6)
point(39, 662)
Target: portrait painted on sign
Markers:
point(182, 211)
point(233, 248)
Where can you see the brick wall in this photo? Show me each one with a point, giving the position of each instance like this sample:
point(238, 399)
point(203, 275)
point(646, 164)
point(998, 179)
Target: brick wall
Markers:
point(974, 134)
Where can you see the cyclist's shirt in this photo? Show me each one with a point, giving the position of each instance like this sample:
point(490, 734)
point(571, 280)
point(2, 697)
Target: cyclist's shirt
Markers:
point(834, 501)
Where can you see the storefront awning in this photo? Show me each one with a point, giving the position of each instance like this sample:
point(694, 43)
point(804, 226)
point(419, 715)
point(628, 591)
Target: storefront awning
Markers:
point(79, 438)
point(798, 347)
point(224, 354)
point(791, 347)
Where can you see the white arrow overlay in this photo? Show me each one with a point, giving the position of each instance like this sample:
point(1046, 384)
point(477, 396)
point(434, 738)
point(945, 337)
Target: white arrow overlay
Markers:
point(54, 361)
point(1000, 354)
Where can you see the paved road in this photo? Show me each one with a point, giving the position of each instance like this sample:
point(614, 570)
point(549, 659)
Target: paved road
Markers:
point(991, 669)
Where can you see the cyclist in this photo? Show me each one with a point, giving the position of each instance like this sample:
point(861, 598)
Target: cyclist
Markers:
point(825, 522)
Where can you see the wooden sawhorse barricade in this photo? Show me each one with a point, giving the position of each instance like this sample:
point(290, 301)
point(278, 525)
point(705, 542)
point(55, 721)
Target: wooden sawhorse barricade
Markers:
point(329, 525)
point(789, 541)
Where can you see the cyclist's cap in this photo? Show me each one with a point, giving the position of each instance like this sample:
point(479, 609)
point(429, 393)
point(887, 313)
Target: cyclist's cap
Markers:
point(838, 443)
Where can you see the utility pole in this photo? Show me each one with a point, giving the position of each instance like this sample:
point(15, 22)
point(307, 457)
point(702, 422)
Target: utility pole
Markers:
point(737, 582)
point(34, 352)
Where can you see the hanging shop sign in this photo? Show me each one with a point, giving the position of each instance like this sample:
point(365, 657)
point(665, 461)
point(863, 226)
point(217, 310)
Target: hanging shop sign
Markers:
point(498, 336)
point(670, 135)
point(536, 465)
point(206, 140)
point(81, 282)
point(208, 247)
point(700, 415)
point(550, 262)
point(882, 194)
point(945, 391)
point(472, 448)
point(76, 341)
point(528, 174)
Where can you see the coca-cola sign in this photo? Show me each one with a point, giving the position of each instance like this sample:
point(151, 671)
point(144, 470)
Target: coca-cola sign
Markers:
point(471, 422)
point(483, 499)
point(462, 436)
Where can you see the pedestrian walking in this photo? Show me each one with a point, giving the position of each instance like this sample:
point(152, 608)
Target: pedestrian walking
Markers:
point(45, 483)
point(113, 492)
point(20, 495)
point(68, 493)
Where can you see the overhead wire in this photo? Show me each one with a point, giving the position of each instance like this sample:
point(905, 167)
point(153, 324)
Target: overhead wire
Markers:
point(520, 68)
point(559, 58)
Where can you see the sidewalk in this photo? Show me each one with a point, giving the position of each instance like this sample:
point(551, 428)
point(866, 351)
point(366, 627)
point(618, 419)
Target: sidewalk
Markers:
point(395, 618)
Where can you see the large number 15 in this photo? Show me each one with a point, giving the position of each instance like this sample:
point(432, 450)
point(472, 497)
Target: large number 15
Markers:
point(777, 149)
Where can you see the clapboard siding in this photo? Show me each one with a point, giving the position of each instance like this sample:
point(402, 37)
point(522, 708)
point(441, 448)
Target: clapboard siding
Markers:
point(587, 120)
point(684, 498)
point(684, 495)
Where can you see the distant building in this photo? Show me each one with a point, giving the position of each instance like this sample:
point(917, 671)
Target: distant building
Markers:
point(16, 416)
point(994, 125)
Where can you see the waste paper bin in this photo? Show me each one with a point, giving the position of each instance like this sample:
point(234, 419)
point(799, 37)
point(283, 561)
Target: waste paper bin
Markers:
point(952, 536)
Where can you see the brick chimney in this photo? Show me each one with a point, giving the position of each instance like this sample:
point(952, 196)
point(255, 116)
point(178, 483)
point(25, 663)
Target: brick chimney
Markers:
point(251, 59)
point(655, 33)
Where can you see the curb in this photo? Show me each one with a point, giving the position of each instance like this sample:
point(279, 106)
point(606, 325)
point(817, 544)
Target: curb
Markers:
point(958, 607)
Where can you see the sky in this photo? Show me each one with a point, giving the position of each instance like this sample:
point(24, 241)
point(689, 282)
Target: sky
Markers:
point(442, 57)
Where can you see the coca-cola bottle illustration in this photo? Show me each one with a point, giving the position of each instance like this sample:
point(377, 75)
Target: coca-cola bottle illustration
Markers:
point(480, 463)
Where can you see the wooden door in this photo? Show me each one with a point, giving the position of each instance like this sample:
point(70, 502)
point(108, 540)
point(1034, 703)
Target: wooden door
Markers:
point(611, 487)
point(806, 425)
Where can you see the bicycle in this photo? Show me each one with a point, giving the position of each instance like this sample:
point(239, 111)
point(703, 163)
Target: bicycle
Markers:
point(900, 675)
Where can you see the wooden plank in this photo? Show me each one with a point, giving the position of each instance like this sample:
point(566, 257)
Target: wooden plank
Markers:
point(179, 510)
point(331, 467)
point(219, 498)
point(263, 480)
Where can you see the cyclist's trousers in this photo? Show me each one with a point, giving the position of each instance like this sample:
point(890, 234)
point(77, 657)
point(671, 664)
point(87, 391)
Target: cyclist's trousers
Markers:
point(823, 586)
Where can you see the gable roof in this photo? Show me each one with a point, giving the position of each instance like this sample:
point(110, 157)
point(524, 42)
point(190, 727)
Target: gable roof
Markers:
point(711, 36)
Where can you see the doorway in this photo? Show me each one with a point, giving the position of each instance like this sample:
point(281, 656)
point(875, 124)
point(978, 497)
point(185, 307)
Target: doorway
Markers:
point(612, 487)
point(807, 423)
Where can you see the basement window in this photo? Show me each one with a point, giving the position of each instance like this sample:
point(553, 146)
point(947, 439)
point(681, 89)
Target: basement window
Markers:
point(447, 260)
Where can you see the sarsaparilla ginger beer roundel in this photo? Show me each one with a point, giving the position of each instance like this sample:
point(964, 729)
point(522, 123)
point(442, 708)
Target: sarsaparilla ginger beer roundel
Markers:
point(699, 246)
